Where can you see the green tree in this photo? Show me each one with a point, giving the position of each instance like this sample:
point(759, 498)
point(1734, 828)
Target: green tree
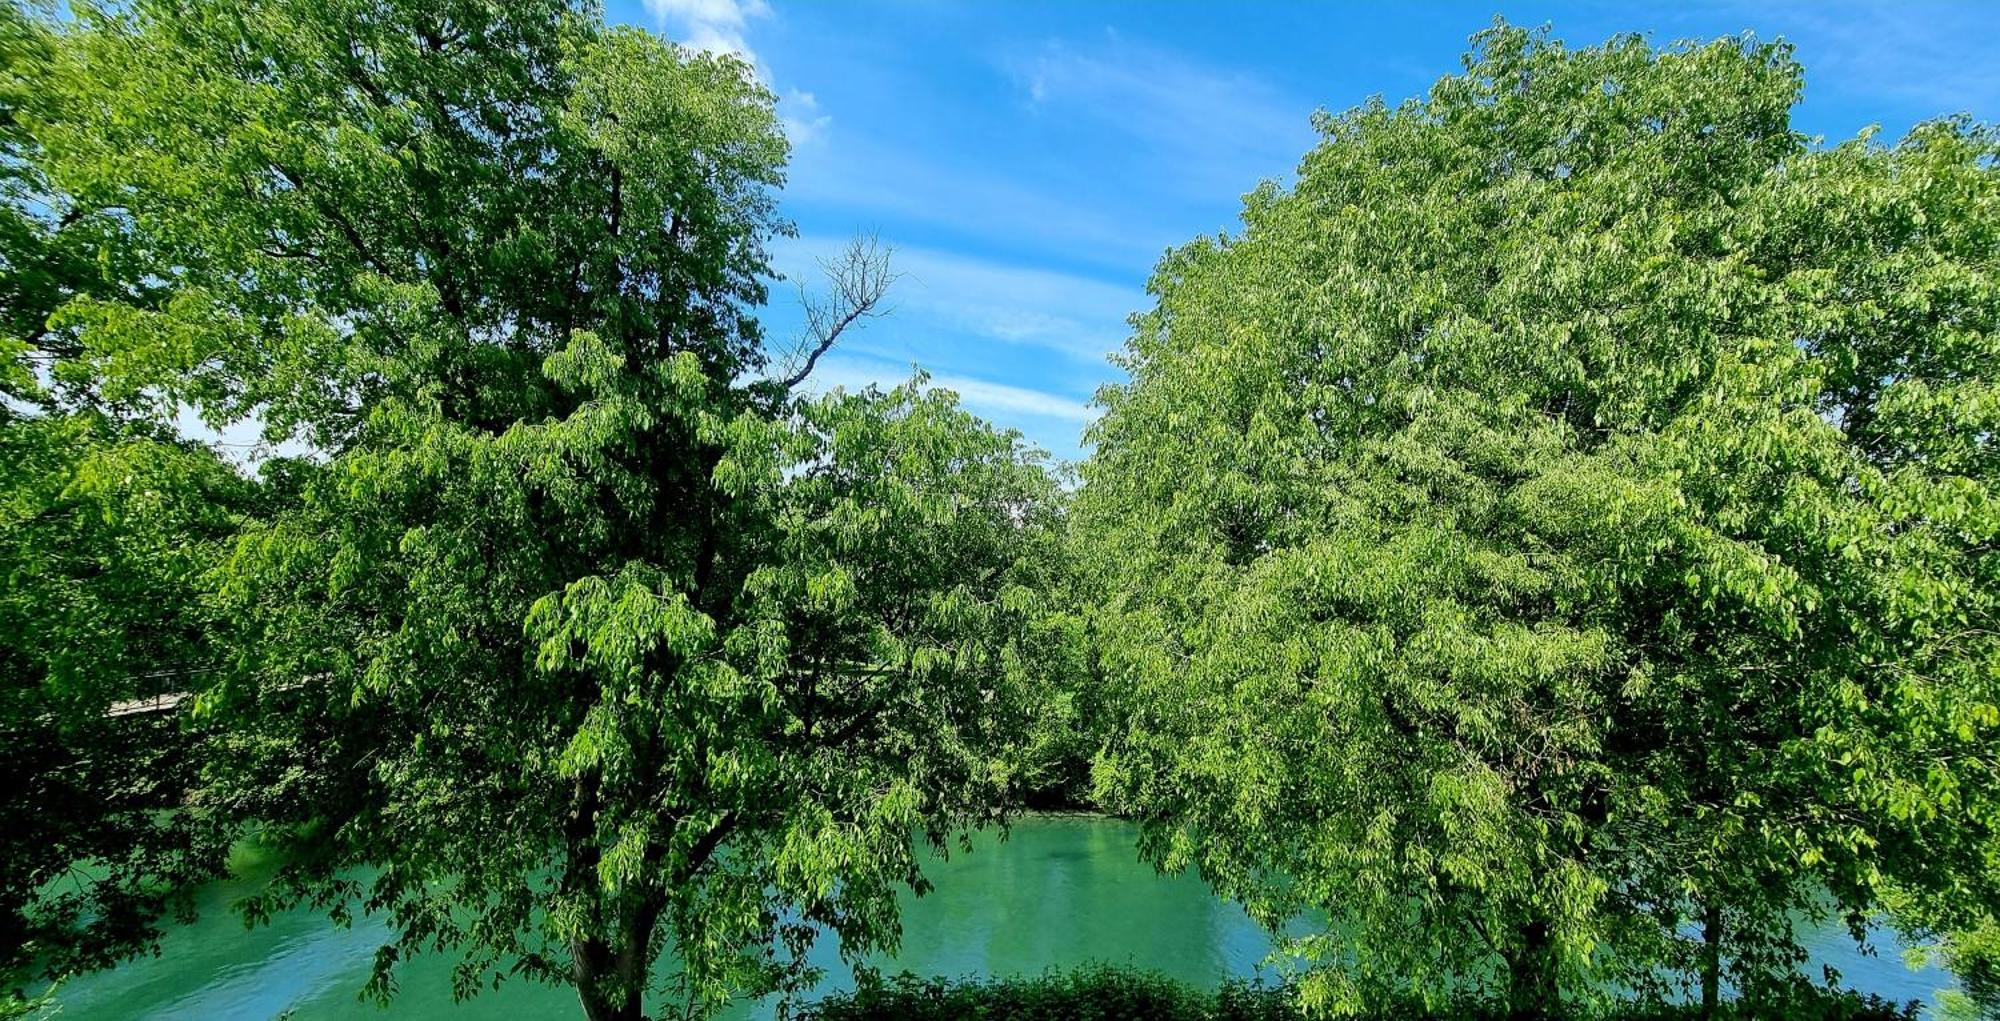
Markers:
point(1894, 254)
point(1074, 713)
point(109, 528)
point(107, 534)
point(1495, 565)
point(588, 635)
point(39, 272)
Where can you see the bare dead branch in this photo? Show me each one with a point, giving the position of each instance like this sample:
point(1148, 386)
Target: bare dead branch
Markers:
point(855, 283)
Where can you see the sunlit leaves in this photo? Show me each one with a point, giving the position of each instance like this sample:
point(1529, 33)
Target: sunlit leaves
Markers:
point(1506, 531)
point(594, 644)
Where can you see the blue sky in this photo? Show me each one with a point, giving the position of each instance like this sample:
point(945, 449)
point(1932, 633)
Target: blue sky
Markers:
point(1030, 161)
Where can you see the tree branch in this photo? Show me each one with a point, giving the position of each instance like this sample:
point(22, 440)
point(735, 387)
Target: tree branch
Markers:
point(705, 848)
point(340, 222)
point(856, 282)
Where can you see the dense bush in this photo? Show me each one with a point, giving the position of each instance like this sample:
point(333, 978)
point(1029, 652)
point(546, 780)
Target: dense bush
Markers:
point(1118, 994)
point(1096, 994)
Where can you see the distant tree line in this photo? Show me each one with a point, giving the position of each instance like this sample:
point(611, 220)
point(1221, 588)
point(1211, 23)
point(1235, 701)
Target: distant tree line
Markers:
point(1553, 542)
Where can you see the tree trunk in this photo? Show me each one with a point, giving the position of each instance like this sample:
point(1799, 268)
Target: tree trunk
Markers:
point(1711, 960)
point(604, 984)
point(611, 975)
point(1531, 984)
point(590, 970)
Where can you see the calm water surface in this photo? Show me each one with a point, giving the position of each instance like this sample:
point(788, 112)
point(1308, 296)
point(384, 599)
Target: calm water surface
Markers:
point(1059, 892)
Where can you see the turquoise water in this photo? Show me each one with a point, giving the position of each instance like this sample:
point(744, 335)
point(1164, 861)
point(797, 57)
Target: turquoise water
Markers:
point(1061, 891)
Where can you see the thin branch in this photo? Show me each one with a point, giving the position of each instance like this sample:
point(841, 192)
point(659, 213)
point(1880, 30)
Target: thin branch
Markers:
point(339, 220)
point(856, 282)
point(705, 848)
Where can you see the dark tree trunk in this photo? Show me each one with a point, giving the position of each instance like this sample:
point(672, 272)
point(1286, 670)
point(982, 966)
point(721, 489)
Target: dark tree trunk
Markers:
point(594, 971)
point(1531, 983)
point(1711, 960)
point(593, 963)
point(611, 976)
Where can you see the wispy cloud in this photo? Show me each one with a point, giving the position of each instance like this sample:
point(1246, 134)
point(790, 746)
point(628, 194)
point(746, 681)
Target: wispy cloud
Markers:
point(1078, 316)
point(1123, 151)
point(998, 401)
point(804, 123)
point(1914, 51)
point(1215, 126)
point(716, 26)
point(980, 394)
point(862, 175)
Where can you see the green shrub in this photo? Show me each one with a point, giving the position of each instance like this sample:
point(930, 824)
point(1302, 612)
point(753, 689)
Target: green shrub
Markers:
point(1120, 994)
point(1093, 994)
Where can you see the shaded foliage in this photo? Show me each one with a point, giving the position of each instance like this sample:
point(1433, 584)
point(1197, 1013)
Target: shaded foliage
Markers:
point(106, 535)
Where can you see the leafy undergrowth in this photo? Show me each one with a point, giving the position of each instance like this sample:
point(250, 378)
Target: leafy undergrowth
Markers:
point(1115, 994)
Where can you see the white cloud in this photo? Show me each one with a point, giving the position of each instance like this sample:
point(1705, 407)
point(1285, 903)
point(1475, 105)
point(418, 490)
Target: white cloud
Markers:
point(1216, 128)
point(716, 26)
point(980, 394)
point(1077, 316)
point(1937, 55)
point(860, 175)
point(804, 124)
point(998, 401)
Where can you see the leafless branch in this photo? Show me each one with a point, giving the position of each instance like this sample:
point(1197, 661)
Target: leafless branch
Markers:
point(855, 283)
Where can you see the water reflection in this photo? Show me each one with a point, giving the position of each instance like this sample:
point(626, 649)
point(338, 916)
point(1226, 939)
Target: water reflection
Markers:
point(1060, 892)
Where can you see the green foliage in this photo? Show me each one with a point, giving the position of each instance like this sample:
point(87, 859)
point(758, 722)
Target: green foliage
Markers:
point(107, 532)
point(1110, 994)
point(1074, 713)
point(1974, 956)
point(1509, 549)
point(598, 644)
point(42, 265)
point(109, 529)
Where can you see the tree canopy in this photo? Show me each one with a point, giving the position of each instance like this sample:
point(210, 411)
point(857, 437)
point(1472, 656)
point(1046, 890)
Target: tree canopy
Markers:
point(1502, 540)
point(579, 636)
point(1550, 548)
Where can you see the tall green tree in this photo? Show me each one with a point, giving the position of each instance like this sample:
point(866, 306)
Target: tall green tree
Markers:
point(110, 525)
point(1894, 253)
point(590, 634)
point(1497, 565)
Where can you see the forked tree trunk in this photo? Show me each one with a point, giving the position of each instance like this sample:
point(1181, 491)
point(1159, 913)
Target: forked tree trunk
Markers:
point(593, 968)
point(611, 976)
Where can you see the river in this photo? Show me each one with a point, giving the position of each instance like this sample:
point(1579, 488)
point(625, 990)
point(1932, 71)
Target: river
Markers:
point(1059, 892)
